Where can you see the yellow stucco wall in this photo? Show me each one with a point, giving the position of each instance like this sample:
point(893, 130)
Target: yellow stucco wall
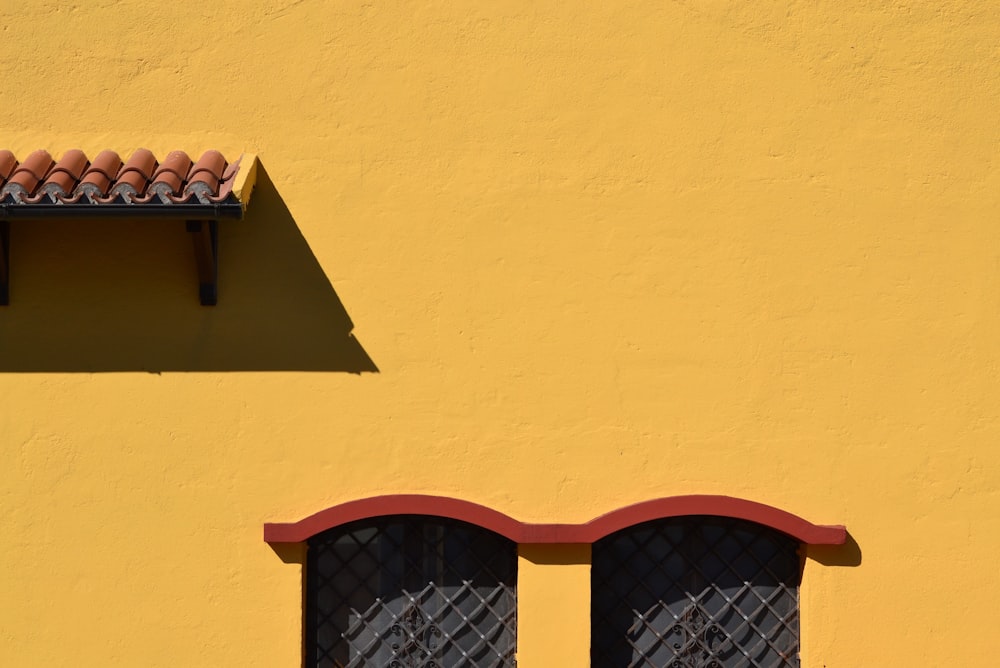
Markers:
point(599, 252)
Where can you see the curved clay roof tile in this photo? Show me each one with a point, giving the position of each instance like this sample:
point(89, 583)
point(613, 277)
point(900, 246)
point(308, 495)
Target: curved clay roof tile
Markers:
point(142, 161)
point(169, 176)
point(97, 179)
point(38, 164)
point(108, 163)
point(232, 169)
point(136, 173)
point(208, 170)
point(228, 178)
point(7, 164)
point(30, 172)
point(63, 177)
point(39, 180)
point(73, 163)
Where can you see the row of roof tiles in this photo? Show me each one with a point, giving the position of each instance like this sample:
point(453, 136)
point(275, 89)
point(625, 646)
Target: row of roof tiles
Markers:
point(142, 179)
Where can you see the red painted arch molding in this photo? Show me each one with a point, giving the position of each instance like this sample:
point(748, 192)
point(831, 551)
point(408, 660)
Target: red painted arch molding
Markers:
point(588, 532)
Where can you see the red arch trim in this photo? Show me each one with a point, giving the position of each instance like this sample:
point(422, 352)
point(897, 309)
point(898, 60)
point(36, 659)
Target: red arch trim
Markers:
point(394, 504)
point(588, 532)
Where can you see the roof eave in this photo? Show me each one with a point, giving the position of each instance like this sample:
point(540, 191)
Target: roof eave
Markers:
point(228, 209)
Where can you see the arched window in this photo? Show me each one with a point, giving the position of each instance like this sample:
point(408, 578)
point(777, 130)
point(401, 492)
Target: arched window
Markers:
point(410, 590)
point(695, 592)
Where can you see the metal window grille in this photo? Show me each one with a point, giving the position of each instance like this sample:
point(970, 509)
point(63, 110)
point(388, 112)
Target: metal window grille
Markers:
point(695, 592)
point(410, 591)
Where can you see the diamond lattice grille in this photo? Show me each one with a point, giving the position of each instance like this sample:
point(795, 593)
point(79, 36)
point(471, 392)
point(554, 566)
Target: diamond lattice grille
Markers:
point(695, 592)
point(410, 591)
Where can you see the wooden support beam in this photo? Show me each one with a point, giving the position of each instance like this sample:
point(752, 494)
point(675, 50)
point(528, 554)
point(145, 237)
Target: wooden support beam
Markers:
point(205, 236)
point(4, 263)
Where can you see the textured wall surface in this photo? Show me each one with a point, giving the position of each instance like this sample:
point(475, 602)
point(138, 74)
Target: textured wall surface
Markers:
point(598, 253)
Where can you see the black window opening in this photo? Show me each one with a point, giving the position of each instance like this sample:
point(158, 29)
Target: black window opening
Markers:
point(695, 592)
point(410, 590)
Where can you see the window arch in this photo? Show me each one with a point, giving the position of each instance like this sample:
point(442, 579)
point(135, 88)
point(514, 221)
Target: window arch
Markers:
point(410, 590)
point(695, 592)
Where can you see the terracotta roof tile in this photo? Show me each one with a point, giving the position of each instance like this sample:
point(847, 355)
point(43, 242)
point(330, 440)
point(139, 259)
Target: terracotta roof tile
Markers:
point(142, 180)
point(206, 175)
point(169, 178)
point(37, 164)
point(62, 178)
point(28, 175)
point(134, 176)
point(229, 178)
point(7, 164)
point(97, 179)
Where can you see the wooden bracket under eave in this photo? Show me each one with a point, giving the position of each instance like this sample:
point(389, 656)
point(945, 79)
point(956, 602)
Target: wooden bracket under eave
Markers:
point(205, 236)
point(4, 263)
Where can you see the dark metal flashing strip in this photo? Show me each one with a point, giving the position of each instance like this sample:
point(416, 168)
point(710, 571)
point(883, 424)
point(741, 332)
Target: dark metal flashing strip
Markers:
point(176, 211)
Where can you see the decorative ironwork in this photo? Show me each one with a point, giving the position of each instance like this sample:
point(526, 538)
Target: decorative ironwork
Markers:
point(418, 638)
point(695, 592)
point(410, 591)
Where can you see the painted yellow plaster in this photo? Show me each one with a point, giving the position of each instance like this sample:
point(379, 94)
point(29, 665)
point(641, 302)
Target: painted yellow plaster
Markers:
point(246, 179)
point(551, 631)
point(599, 252)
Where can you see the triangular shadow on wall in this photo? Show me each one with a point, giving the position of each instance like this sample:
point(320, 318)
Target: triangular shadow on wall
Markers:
point(122, 295)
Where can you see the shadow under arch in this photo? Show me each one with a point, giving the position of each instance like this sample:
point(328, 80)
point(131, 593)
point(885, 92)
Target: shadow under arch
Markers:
point(104, 295)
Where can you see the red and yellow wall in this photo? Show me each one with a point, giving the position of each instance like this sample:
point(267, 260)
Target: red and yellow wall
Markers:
point(599, 253)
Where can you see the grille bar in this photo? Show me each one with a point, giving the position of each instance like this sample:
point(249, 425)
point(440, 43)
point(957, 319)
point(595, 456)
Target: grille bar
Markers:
point(695, 592)
point(410, 591)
